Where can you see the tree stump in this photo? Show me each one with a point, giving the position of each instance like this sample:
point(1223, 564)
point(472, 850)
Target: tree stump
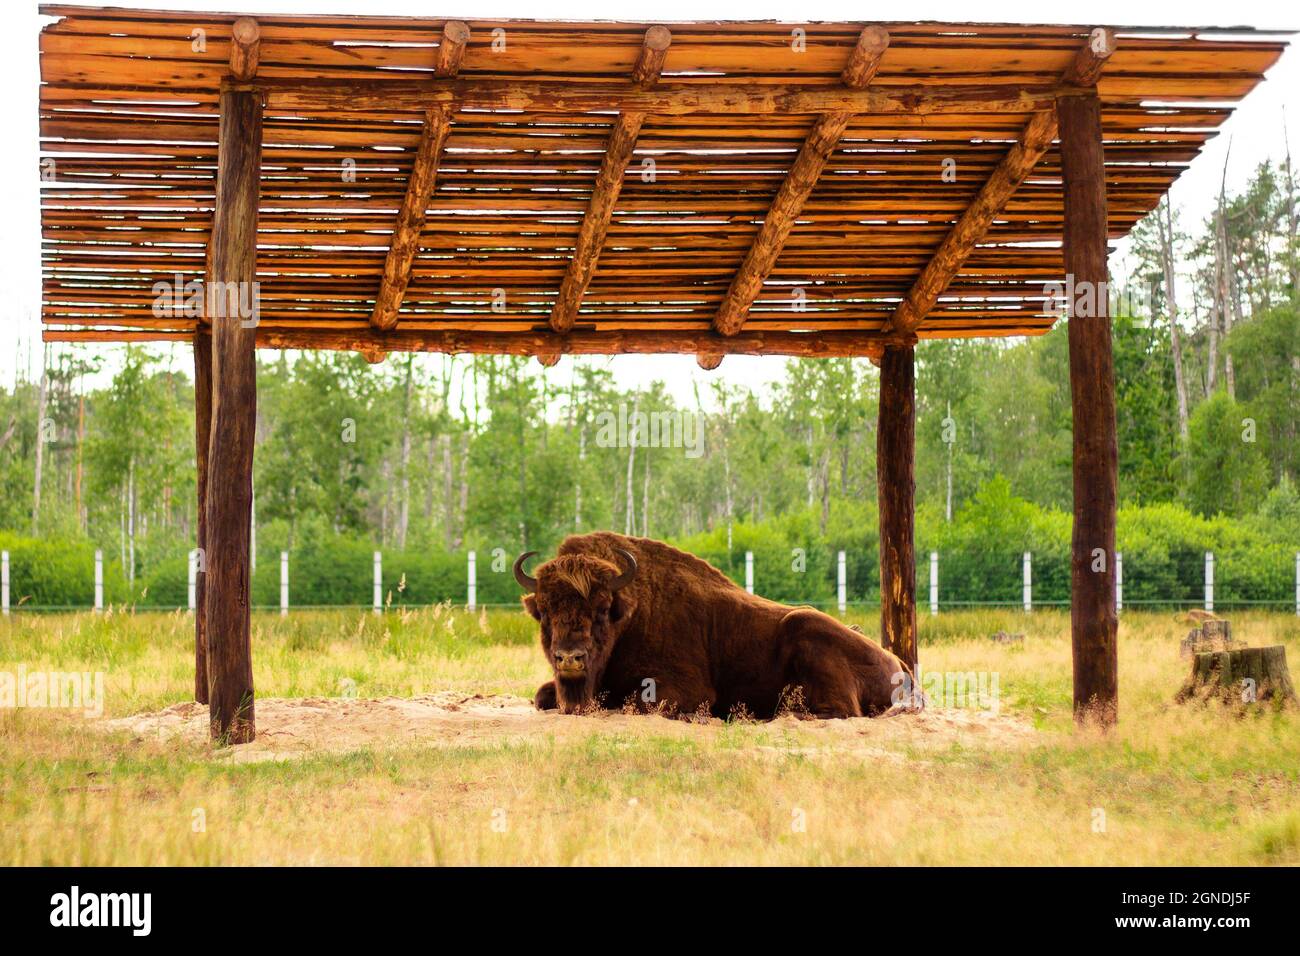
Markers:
point(1214, 634)
point(1242, 677)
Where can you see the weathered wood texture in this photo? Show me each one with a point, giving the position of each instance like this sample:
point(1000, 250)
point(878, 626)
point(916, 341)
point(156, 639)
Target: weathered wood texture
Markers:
point(609, 183)
point(1245, 677)
point(405, 240)
point(580, 342)
point(234, 412)
point(896, 491)
point(245, 48)
point(1007, 178)
point(202, 437)
point(797, 186)
point(128, 117)
point(1093, 619)
point(677, 99)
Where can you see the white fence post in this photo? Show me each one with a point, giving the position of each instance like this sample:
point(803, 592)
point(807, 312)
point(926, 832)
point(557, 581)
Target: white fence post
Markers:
point(471, 596)
point(284, 583)
point(1209, 580)
point(749, 571)
point(1119, 581)
point(379, 582)
point(99, 580)
point(934, 582)
point(192, 579)
point(842, 584)
point(4, 581)
point(1029, 581)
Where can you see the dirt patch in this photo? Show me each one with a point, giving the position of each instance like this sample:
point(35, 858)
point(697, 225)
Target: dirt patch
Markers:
point(299, 726)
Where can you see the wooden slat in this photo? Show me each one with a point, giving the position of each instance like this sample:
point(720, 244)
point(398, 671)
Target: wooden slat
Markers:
point(419, 188)
point(609, 181)
point(1010, 174)
point(796, 187)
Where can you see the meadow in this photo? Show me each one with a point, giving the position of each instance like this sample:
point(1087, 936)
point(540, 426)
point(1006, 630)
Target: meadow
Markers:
point(1171, 785)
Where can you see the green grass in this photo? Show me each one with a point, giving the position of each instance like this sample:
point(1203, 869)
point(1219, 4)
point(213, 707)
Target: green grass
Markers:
point(1175, 785)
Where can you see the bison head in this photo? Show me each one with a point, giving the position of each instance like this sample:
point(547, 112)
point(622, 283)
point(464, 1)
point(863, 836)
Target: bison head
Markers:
point(577, 600)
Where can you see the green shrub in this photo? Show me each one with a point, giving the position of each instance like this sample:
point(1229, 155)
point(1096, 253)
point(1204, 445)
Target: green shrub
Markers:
point(59, 573)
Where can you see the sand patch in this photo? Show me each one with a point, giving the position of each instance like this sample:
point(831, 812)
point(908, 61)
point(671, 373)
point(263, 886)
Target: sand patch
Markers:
point(288, 727)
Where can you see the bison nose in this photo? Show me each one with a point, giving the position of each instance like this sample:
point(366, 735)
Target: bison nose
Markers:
point(571, 660)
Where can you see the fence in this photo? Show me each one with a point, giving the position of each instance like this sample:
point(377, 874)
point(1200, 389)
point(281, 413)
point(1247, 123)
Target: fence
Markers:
point(953, 581)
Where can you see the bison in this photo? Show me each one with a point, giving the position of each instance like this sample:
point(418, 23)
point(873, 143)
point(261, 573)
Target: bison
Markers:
point(633, 619)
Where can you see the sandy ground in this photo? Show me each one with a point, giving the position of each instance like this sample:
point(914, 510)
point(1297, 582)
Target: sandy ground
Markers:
point(299, 726)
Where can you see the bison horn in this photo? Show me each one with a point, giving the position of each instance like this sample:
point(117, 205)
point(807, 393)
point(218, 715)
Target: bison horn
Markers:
point(526, 582)
point(629, 573)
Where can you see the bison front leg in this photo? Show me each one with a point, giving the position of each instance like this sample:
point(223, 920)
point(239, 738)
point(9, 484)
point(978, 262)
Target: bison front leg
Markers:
point(684, 701)
point(545, 698)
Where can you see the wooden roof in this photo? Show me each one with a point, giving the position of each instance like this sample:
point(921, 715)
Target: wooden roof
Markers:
point(703, 135)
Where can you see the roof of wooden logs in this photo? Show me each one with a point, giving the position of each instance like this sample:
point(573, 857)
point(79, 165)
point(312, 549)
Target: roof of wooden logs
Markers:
point(544, 187)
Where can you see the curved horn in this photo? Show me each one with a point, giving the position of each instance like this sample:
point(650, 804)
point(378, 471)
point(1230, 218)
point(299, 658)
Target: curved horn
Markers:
point(526, 582)
point(629, 573)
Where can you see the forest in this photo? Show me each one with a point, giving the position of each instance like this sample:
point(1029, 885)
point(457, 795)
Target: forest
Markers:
point(425, 457)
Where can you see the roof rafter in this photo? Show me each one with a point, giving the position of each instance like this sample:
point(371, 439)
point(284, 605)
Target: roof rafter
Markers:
point(797, 187)
point(1006, 178)
point(419, 188)
point(609, 181)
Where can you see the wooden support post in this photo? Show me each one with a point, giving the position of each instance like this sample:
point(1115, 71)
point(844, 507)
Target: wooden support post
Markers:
point(896, 487)
point(609, 182)
point(202, 438)
point(232, 308)
point(1092, 391)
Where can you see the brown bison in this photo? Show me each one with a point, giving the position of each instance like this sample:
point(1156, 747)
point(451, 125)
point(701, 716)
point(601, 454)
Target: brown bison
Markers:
point(632, 619)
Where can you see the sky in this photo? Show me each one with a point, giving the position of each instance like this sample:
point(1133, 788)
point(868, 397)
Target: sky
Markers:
point(1256, 130)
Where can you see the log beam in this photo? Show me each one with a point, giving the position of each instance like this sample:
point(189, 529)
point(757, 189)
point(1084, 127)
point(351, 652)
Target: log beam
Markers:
point(678, 99)
point(1093, 621)
point(579, 342)
point(245, 48)
point(229, 488)
point(419, 187)
point(202, 437)
point(896, 489)
point(798, 185)
point(609, 182)
point(1006, 178)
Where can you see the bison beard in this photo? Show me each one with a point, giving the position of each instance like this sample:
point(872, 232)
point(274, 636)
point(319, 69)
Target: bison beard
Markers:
point(632, 620)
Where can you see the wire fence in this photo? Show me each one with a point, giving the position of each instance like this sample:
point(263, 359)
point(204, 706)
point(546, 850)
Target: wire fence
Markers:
point(834, 581)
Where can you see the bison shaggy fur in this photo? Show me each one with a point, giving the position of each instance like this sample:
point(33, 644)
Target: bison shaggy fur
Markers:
point(682, 638)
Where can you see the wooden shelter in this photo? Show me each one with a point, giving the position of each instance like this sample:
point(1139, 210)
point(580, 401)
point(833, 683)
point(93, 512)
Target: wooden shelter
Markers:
point(544, 188)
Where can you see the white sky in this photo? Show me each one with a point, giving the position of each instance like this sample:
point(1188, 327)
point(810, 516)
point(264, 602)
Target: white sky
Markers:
point(1256, 129)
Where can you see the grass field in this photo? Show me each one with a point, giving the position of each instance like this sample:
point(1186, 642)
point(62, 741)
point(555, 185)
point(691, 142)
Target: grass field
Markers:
point(1172, 785)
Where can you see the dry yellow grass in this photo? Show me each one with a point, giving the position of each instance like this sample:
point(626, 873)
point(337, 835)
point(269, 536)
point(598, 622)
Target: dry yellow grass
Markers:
point(1172, 785)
